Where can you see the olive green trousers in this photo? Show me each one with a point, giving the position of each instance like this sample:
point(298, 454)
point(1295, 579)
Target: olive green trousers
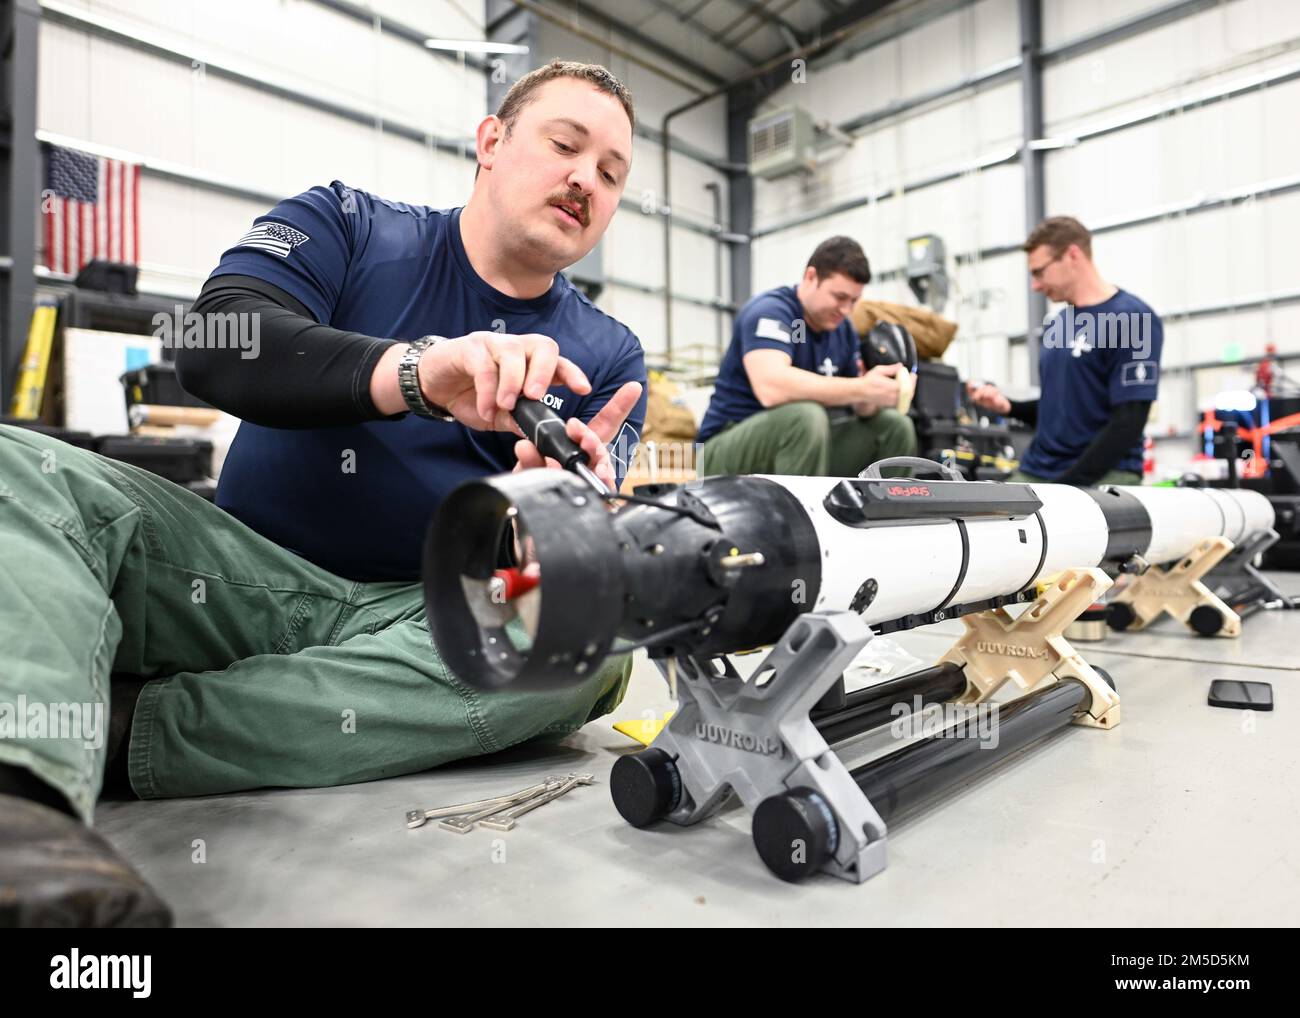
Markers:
point(264, 669)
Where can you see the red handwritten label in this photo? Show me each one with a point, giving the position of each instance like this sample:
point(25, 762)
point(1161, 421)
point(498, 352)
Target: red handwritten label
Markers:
point(908, 490)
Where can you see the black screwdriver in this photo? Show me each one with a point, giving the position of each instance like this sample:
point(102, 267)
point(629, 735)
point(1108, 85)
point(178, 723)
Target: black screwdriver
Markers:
point(545, 429)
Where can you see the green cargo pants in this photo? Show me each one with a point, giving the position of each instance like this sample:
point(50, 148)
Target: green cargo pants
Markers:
point(801, 439)
point(265, 669)
point(1110, 477)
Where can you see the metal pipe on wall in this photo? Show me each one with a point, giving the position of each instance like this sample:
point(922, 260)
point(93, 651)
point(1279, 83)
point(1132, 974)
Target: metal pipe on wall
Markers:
point(1031, 157)
point(716, 191)
point(22, 182)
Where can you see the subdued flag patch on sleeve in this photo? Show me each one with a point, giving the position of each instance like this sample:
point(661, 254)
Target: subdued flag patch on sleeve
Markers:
point(274, 238)
point(770, 328)
point(1139, 373)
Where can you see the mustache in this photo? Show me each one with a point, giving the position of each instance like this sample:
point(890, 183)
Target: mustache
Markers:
point(574, 198)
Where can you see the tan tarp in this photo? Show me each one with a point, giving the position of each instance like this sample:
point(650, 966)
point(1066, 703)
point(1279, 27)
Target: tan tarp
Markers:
point(931, 332)
point(665, 420)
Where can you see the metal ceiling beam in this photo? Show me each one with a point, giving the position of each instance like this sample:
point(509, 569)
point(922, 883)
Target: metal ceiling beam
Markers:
point(852, 14)
point(689, 15)
point(845, 18)
point(665, 7)
point(900, 22)
point(794, 39)
point(552, 13)
point(760, 11)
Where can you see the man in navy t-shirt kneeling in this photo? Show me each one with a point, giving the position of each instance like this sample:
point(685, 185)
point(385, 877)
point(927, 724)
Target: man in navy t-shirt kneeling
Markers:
point(1099, 368)
point(792, 396)
point(395, 341)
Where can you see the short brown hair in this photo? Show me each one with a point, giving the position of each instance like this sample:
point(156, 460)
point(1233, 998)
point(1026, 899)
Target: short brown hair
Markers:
point(844, 255)
point(522, 91)
point(1058, 233)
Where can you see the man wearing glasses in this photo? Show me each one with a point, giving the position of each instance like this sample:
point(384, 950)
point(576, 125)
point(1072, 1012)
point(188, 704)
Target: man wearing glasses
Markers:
point(1099, 368)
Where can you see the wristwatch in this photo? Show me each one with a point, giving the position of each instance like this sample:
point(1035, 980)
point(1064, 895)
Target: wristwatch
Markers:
point(408, 380)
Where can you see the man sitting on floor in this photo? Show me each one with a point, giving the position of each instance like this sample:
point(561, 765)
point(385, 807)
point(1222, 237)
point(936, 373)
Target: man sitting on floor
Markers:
point(792, 396)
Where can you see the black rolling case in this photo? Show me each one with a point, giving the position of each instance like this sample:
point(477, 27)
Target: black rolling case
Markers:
point(183, 460)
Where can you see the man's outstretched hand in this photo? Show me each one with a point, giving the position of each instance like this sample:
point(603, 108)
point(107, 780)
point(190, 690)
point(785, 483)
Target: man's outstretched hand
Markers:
point(986, 396)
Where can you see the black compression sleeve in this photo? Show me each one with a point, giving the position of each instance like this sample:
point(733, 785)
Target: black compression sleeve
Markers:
point(1112, 443)
point(1026, 411)
point(287, 372)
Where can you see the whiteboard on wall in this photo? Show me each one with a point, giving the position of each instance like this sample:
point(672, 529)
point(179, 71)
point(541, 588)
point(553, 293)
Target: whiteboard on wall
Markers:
point(93, 365)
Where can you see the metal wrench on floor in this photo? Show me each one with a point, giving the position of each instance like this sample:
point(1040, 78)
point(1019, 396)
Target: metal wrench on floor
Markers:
point(418, 817)
point(465, 824)
point(504, 820)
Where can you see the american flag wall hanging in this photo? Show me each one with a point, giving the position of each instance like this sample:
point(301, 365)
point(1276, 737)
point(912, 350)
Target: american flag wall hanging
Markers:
point(91, 209)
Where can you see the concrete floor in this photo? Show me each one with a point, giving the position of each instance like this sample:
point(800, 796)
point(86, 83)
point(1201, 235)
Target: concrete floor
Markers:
point(1183, 815)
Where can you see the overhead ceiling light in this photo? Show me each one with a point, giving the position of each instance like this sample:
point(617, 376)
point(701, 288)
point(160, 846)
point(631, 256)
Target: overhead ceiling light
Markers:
point(475, 46)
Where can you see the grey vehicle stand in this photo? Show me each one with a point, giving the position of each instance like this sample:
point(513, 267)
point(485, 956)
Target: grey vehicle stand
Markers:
point(769, 739)
point(756, 739)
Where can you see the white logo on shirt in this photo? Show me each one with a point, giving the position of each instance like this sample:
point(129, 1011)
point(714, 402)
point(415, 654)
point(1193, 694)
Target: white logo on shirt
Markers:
point(1139, 373)
point(624, 447)
point(827, 368)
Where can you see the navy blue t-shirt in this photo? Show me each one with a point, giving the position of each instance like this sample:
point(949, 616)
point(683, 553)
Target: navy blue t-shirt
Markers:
point(1091, 360)
point(357, 499)
point(774, 320)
